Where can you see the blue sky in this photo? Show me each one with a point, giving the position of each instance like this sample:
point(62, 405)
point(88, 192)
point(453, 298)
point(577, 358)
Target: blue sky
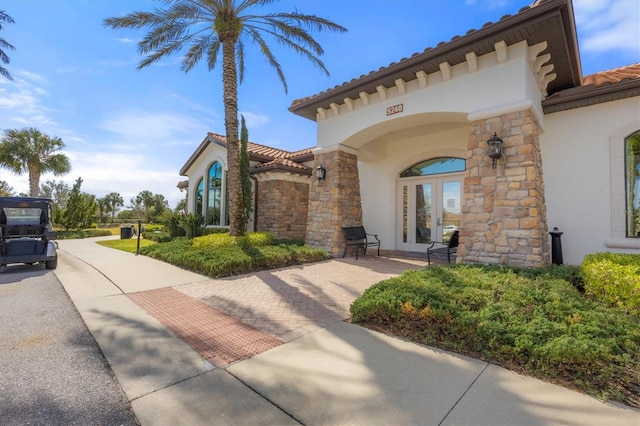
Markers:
point(128, 131)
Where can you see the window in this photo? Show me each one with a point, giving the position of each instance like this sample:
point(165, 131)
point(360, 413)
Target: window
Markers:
point(199, 196)
point(435, 166)
point(632, 174)
point(214, 194)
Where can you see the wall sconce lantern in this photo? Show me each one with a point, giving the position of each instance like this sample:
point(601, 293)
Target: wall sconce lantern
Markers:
point(321, 173)
point(494, 148)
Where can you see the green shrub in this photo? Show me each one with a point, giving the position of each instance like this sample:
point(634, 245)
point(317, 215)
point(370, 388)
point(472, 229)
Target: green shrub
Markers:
point(171, 222)
point(216, 230)
point(158, 237)
point(532, 320)
point(253, 239)
point(192, 224)
point(152, 227)
point(613, 279)
point(230, 260)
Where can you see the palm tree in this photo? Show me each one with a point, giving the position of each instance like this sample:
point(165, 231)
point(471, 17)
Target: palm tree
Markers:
point(29, 150)
point(5, 45)
point(115, 201)
point(208, 26)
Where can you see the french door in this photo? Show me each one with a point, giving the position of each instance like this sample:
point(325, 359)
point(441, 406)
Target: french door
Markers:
point(429, 209)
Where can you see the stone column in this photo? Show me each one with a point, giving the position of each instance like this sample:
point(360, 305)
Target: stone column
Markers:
point(504, 218)
point(333, 203)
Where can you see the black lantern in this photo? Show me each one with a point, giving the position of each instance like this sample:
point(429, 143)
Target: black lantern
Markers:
point(321, 173)
point(494, 148)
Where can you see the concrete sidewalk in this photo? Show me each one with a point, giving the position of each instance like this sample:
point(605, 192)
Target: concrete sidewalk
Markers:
point(322, 371)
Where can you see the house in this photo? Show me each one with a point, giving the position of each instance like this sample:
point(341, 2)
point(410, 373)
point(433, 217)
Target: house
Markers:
point(495, 133)
point(280, 186)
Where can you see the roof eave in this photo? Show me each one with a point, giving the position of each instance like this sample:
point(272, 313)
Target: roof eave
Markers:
point(590, 95)
point(469, 42)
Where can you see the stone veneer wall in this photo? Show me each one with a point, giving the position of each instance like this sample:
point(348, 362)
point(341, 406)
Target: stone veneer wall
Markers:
point(282, 208)
point(504, 218)
point(334, 203)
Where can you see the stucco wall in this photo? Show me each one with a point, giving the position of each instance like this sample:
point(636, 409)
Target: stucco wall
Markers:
point(578, 168)
point(378, 179)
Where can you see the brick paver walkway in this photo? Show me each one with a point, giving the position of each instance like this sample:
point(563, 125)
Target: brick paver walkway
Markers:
point(219, 338)
point(231, 319)
point(291, 302)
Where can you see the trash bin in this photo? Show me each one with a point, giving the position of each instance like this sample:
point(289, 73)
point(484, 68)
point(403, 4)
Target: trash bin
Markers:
point(126, 232)
point(556, 247)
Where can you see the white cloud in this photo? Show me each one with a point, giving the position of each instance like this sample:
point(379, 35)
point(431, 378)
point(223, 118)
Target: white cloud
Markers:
point(31, 76)
point(153, 129)
point(125, 40)
point(607, 25)
point(254, 120)
point(22, 102)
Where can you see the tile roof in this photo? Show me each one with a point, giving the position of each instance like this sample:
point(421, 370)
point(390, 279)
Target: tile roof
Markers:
point(268, 157)
point(543, 20)
point(616, 75)
point(282, 164)
point(604, 86)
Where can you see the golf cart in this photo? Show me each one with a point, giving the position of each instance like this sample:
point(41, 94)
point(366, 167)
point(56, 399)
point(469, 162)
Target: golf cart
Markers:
point(27, 234)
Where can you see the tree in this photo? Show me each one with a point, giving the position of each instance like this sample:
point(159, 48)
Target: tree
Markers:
point(30, 151)
point(115, 201)
point(180, 207)
point(57, 191)
point(103, 208)
point(80, 208)
point(208, 26)
point(160, 205)
point(5, 45)
point(245, 174)
point(5, 189)
point(145, 199)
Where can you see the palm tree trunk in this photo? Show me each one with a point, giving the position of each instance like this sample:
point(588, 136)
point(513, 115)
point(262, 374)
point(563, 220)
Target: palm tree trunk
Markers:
point(34, 182)
point(234, 189)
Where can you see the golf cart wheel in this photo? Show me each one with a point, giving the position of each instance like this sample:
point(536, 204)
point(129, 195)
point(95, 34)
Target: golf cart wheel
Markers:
point(51, 264)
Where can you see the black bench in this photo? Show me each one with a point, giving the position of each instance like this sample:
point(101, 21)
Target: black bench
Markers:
point(356, 236)
point(449, 249)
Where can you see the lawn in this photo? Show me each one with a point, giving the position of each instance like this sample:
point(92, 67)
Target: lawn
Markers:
point(535, 321)
point(129, 245)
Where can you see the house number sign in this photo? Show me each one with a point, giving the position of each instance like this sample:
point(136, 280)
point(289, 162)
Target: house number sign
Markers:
point(395, 109)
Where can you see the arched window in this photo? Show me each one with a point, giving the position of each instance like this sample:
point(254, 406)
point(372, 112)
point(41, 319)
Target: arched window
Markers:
point(632, 172)
point(199, 197)
point(214, 194)
point(435, 166)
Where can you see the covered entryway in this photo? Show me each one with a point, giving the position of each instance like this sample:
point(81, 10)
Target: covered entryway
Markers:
point(429, 196)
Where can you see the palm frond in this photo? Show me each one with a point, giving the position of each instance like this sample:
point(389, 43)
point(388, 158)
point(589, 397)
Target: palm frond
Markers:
point(5, 73)
point(198, 46)
point(161, 36)
point(137, 20)
point(301, 50)
point(266, 51)
point(161, 52)
point(6, 18)
point(241, 66)
point(5, 45)
point(313, 22)
point(296, 33)
point(212, 54)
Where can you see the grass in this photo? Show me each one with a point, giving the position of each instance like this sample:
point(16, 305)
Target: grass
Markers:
point(534, 321)
point(128, 245)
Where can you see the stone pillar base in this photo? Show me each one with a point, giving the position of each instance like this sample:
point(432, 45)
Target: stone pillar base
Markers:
point(333, 203)
point(504, 218)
